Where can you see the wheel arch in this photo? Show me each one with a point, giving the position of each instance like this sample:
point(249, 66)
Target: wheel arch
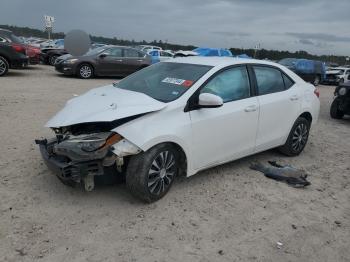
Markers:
point(307, 115)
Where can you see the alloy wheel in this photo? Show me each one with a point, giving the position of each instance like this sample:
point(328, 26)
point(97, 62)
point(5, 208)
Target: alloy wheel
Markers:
point(85, 71)
point(300, 136)
point(3, 66)
point(161, 172)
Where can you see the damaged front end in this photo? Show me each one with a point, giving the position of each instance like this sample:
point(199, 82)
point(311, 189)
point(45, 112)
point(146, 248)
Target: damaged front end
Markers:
point(79, 157)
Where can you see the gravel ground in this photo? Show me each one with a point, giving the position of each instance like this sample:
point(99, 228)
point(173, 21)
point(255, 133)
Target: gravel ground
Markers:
point(227, 213)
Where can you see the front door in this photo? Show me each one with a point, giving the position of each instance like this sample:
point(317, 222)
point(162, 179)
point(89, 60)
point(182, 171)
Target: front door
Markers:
point(111, 62)
point(228, 132)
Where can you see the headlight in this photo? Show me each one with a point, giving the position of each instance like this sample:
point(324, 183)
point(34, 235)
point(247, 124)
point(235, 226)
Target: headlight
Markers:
point(342, 91)
point(71, 61)
point(94, 142)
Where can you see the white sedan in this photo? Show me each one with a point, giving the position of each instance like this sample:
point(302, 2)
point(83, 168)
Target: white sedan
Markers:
point(180, 117)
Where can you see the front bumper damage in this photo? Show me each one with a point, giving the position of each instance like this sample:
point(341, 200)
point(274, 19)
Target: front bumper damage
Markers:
point(73, 164)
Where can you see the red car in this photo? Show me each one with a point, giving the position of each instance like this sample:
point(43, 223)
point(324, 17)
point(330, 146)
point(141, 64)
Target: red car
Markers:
point(34, 54)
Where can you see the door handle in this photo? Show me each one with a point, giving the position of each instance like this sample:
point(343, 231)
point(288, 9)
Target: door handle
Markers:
point(251, 108)
point(139, 60)
point(119, 60)
point(294, 98)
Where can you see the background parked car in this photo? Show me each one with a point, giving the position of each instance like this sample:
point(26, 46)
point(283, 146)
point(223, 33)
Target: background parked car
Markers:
point(104, 61)
point(33, 54)
point(160, 55)
point(146, 48)
point(337, 75)
point(12, 52)
point(203, 51)
point(311, 71)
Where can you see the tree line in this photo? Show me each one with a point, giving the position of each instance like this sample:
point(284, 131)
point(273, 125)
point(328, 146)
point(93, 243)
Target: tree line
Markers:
point(260, 54)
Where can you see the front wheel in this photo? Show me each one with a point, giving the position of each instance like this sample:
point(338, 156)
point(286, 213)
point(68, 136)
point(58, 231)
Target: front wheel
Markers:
point(4, 66)
point(150, 174)
point(335, 112)
point(85, 71)
point(297, 138)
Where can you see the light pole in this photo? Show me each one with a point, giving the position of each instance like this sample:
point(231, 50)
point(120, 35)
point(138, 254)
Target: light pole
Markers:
point(49, 20)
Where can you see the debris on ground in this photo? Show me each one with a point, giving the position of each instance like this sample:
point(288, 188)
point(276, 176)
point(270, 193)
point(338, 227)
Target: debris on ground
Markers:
point(288, 174)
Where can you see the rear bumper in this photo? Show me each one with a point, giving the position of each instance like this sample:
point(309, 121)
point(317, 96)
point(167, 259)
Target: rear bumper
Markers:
point(67, 171)
point(19, 62)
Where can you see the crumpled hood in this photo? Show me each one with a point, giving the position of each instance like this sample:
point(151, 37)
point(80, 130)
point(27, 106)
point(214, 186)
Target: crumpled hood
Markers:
point(104, 104)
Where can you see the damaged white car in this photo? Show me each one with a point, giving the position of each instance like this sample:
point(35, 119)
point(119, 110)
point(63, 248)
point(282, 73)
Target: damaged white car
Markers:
point(180, 117)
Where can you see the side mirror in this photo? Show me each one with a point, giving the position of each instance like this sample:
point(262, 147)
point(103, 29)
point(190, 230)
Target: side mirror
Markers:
point(207, 100)
point(103, 55)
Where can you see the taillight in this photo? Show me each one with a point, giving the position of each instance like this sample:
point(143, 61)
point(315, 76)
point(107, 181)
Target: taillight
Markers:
point(19, 48)
point(317, 92)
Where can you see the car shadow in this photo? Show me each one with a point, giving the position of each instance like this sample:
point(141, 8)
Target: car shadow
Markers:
point(15, 72)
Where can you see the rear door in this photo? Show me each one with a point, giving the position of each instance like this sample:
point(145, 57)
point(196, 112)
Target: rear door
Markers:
point(228, 132)
point(133, 60)
point(279, 101)
point(112, 63)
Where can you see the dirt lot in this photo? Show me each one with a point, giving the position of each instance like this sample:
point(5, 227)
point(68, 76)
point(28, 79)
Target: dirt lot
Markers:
point(228, 213)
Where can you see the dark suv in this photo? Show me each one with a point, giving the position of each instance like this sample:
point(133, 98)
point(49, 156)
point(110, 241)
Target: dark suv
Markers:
point(12, 52)
point(104, 61)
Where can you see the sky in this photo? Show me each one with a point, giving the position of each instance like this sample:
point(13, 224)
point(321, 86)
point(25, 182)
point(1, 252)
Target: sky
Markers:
point(316, 26)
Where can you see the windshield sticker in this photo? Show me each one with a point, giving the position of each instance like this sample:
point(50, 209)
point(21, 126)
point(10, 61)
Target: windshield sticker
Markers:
point(174, 81)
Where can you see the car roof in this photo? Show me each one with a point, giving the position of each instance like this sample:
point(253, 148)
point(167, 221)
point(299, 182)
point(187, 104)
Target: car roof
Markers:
point(219, 61)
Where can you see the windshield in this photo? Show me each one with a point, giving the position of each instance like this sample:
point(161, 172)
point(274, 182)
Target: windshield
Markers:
point(164, 81)
point(16, 39)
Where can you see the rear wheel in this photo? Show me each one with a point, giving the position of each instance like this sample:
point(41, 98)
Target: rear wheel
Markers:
point(4, 66)
point(297, 138)
point(335, 111)
point(150, 174)
point(85, 71)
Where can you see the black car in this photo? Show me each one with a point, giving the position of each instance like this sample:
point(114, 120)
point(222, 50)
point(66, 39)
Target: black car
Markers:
point(341, 103)
point(104, 61)
point(12, 52)
point(49, 55)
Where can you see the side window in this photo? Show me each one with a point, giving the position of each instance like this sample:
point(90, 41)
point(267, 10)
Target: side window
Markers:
point(269, 80)
point(288, 83)
point(117, 52)
point(231, 84)
point(131, 53)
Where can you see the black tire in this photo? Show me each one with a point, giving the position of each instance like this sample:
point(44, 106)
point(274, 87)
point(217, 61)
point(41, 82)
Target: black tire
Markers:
point(52, 59)
point(146, 177)
point(4, 66)
point(297, 138)
point(317, 80)
point(85, 71)
point(334, 111)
